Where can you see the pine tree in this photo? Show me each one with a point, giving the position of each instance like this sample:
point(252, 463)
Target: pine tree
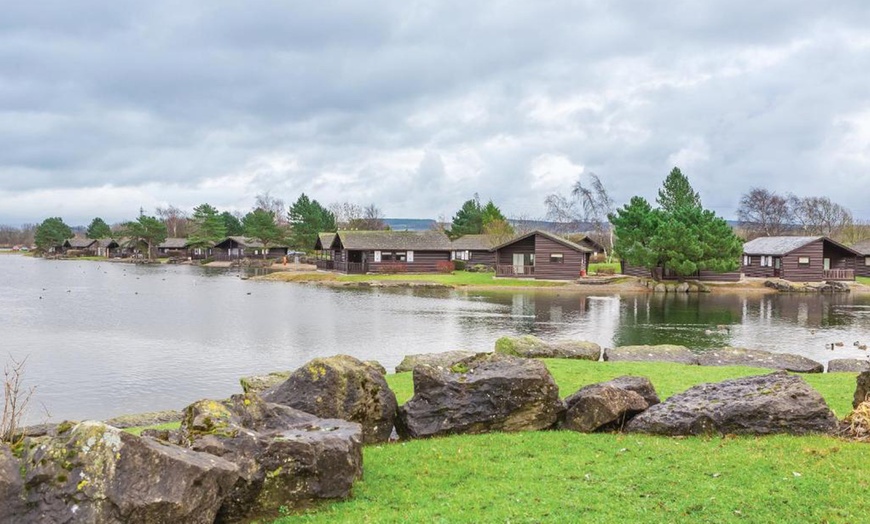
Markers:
point(676, 192)
point(208, 227)
point(98, 229)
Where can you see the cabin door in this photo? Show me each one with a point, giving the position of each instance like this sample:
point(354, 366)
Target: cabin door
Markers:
point(519, 260)
point(777, 267)
point(827, 263)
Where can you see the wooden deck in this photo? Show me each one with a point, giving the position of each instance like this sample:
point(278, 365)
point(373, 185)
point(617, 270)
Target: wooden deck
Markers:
point(351, 268)
point(510, 270)
point(839, 274)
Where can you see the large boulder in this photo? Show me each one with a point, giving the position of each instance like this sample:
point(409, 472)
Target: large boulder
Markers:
point(442, 360)
point(659, 353)
point(862, 388)
point(341, 387)
point(730, 356)
point(608, 405)
point(848, 365)
point(285, 457)
point(529, 346)
point(90, 472)
point(488, 392)
point(758, 405)
point(11, 487)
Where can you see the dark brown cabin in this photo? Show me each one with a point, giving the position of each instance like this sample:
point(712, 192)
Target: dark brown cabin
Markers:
point(474, 250)
point(799, 259)
point(862, 266)
point(541, 255)
point(390, 251)
point(173, 247)
point(238, 247)
point(81, 246)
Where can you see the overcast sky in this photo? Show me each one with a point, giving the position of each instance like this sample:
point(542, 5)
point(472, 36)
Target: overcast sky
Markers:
point(106, 107)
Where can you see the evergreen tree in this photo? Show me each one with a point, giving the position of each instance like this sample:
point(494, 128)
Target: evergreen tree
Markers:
point(635, 225)
point(308, 218)
point(147, 230)
point(208, 227)
point(260, 225)
point(473, 219)
point(232, 225)
point(99, 229)
point(51, 233)
point(676, 192)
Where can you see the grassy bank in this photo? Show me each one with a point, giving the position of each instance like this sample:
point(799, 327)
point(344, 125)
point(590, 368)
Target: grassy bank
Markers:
point(561, 476)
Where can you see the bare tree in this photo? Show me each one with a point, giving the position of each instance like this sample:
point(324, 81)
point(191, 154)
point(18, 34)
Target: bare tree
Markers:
point(856, 232)
point(274, 205)
point(587, 206)
point(819, 215)
point(16, 398)
point(345, 213)
point(352, 216)
point(175, 220)
point(763, 213)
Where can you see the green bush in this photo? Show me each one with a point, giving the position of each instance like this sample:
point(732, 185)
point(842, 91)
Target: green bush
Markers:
point(459, 265)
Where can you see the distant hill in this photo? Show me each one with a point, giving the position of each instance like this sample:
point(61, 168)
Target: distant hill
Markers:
point(410, 224)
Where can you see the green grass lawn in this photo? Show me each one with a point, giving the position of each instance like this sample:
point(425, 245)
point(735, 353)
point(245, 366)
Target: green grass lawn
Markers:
point(456, 278)
point(562, 476)
point(594, 267)
point(863, 280)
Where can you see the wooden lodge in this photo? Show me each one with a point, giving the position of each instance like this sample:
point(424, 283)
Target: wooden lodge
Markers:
point(323, 253)
point(362, 252)
point(173, 247)
point(474, 250)
point(862, 267)
point(541, 255)
point(81, 246)
point(800, 259)
point(239, 247)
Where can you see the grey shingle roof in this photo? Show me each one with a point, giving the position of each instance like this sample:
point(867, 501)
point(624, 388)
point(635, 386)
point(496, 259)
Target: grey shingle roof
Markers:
point(554, 238)
point(862, 247)
point(398, 240)
point(473, 243)
point(173, 243)
point(79, 243)
point(776, 245)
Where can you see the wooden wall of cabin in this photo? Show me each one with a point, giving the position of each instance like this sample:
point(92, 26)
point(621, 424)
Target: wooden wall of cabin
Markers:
point(755, 269)
point(424, 262)
point(812, 272)
point(568, 269)
point(486, 258)
point(505, 255)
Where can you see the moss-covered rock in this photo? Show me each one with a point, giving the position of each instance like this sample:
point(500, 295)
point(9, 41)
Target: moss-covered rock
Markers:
point(97, 473)
point(659, 353)
point(445, 359)
point(528, 346)
point(260, 383)
point(487, 392)
point(341, 387)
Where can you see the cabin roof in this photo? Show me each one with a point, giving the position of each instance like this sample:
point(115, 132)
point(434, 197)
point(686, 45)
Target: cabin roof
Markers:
point(473, 243)
point(107, 242)
point(554, 238)
point(785, 245)
point(398, 240)
point(79, 243)
point(324, 240)
point(240, 240)
point(173, 243)
point(862, 247)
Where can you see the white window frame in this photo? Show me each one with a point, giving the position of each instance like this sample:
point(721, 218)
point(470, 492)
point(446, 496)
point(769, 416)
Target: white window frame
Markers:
point(377, 256)
point(747, 260)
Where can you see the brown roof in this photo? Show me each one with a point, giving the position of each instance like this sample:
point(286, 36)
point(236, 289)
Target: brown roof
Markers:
point(473, 243)
point(387, 240)
point(554, 238)
point(785, 245)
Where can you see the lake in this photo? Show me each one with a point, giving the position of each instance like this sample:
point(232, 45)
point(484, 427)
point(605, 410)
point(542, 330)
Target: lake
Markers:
point(104, 339)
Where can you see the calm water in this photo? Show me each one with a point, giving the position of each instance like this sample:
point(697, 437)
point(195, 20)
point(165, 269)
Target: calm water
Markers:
point(104, 339)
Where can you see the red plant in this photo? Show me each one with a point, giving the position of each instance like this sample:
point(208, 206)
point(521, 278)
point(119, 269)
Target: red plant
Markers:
point(444, 266)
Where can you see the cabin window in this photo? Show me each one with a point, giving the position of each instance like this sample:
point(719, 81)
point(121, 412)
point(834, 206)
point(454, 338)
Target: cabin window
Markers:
point(410, 256)
point(400, 256)
point(867, 261)
point(747, 260)
point(377, 256)
point(386, 256)
point(557, 258)
point(803, 261)
point(461, 255)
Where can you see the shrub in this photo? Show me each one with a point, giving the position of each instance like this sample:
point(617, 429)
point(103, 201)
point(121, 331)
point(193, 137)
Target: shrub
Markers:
point(444, 266)
point(459, 265)
point(605, 271)
point(394, 267)
point(597, 258)
point(479, 268)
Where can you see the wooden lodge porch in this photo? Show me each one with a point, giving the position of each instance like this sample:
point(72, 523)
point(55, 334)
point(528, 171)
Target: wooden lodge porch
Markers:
point(839, 274)
point(510, 270)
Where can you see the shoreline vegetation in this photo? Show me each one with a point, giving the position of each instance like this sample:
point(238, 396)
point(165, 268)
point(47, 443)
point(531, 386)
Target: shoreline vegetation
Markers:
point(562, 475)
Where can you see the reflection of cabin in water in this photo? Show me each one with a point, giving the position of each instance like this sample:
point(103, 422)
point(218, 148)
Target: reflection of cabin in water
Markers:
point(799, 259)
point(385, 251)
point(238, 247)
point(541, 255)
